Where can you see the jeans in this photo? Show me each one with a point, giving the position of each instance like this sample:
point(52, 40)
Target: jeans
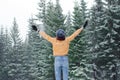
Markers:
point(61, 67)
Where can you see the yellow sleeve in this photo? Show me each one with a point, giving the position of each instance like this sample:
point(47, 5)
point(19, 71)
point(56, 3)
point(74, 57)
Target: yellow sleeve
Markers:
point(45, 36)
point(70, 38)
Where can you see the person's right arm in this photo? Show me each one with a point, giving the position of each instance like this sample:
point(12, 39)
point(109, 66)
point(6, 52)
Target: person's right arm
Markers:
point(46, 36)
point(42, 33)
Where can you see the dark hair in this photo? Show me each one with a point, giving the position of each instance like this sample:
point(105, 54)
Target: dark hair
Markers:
point(60, 34)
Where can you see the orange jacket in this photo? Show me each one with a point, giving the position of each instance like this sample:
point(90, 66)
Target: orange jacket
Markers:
point(60, 48)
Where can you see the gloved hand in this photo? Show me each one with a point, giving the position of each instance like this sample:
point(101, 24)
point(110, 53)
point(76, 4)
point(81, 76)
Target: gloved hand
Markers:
point(34, 27)
point(85, 24)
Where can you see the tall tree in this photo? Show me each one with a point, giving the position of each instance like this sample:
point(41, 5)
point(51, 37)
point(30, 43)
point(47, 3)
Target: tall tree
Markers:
point(96, 37)
point(33, 52)
point(52, 20)
point(7, 50)
point(42, 10)
point(68, 24)
point(15, 59)
point(78, 55)
point(2, 52)
point(83, 8)
point(101, 38)
point(112, 36)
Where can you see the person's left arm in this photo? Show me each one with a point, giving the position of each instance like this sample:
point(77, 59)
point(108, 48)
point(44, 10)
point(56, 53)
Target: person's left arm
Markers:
point(70, 38)
point(77, 32)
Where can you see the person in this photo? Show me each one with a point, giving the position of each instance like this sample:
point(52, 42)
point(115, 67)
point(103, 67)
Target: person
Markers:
point(60, 45)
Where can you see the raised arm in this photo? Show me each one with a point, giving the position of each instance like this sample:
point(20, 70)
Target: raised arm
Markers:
point(46, 36)
point(70, 38)
point(42, 33)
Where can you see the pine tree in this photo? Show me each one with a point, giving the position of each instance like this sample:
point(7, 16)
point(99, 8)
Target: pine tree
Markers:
point(52, 20)
point(78, 56)
point(73, 54)
point(83, 10)
point(112, 36)
point(7, 50)
point(46, 50)
point(101, 37)
point(96, 37)
point(2, 52)
point(15, 60)
point(68, 24)
point(42, 10)
point(33, 53)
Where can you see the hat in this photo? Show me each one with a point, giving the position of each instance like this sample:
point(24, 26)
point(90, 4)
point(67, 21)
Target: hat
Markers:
point(60, 34)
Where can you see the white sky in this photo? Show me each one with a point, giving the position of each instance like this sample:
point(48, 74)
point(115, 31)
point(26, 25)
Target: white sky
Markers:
point(23, 9)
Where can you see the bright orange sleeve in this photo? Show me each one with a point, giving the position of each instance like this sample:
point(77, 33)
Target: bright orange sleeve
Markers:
point(46, 36)
point(70, 38)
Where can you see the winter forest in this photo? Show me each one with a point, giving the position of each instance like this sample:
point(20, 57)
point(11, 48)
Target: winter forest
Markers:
point(93, 55)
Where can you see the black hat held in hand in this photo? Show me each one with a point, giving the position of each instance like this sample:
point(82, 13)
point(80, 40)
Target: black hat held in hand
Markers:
point(34, 27)
point(85, 24)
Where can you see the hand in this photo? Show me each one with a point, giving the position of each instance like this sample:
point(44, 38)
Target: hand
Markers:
point(34, 27)
point(85, 24)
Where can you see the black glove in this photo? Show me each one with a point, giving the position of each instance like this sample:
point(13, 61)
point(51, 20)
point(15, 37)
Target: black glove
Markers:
point(34, 27)
point(85, 24)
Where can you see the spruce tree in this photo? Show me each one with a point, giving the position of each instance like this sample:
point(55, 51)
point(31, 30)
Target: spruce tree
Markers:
point(112, 37)
point(102, 41)
point(68, 24)
point(15, 56)
point(2, 53)
point(78, 55)
point(83, 9)
point(33, 52)
point(7, 49)
point(96, 37)
point(52, 20)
